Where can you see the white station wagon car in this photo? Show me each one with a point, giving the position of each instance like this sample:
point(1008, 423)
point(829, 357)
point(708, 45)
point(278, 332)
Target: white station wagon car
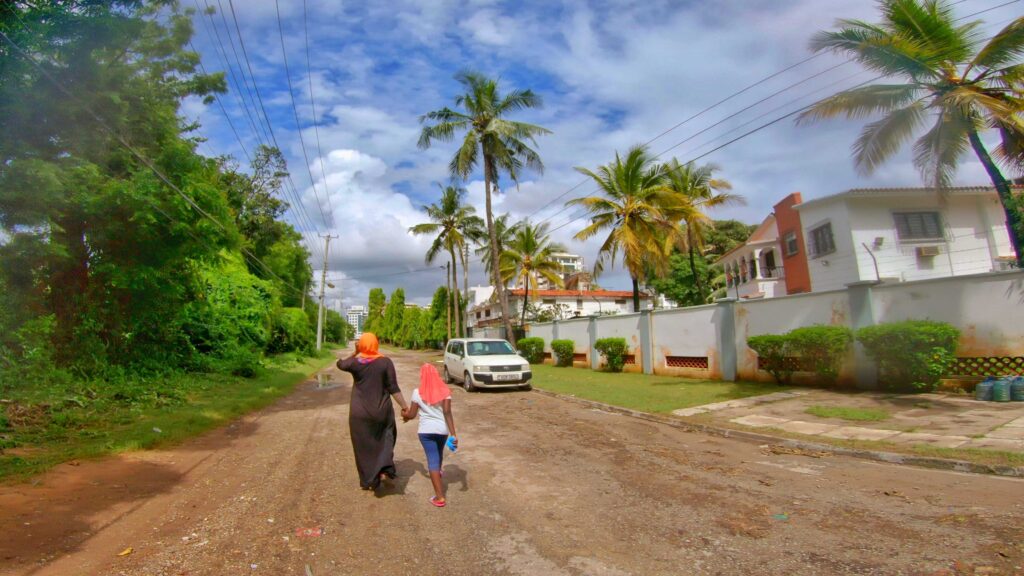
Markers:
point(485, 363)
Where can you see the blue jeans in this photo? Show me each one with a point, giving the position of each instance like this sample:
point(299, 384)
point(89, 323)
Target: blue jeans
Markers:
point(433, 445)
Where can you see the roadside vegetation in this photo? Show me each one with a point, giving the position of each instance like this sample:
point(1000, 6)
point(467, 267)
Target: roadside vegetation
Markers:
point(47, 425)
point(848, 413)
point(144, 284)
point(643, 392)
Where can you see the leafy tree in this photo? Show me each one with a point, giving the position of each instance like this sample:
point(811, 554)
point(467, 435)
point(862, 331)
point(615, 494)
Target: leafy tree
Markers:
point(504, 231)
point(336, 327)
point(451, 222)
point(375, 311)
point(681, 285)
point(698, 192)
point(948, 77)
point(635, 208)
point(438, 312)
point(528, 257)
point(492, 141)
point(393, 316)
point(724, 235)
point(106, 247)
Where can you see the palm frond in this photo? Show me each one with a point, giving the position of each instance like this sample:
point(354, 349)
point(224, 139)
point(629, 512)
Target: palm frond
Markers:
point(936, 153)
point(879, 140)
point(861, 102)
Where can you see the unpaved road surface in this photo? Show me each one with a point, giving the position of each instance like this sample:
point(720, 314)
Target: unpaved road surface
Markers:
point(541, 486)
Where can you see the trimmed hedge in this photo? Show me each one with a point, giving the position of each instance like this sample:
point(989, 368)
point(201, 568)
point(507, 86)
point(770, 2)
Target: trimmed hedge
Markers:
point(563, 351)
point(614, 352)
point(819, 349)
point(532, 349)
point(774, 350)
point(911, 355)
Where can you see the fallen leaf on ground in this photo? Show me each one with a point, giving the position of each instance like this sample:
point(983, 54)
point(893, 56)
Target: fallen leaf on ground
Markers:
point(776, 449)
point(125, 552)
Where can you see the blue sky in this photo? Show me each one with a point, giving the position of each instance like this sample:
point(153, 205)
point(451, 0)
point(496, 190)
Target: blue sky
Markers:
point(611, 73)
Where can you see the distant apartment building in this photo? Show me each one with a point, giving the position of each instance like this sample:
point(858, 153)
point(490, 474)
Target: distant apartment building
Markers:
point(870, 234)
point(357, 318)
point(571, 265)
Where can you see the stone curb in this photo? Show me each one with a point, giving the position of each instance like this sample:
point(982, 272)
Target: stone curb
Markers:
point(755, 437)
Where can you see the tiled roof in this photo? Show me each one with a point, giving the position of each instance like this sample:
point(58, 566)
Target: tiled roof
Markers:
point(902, 191)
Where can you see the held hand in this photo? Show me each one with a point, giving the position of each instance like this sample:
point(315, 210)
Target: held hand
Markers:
point(405, 415)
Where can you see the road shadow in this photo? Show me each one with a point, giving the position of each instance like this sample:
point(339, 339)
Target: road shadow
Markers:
point(453, 473)
point(404, 471)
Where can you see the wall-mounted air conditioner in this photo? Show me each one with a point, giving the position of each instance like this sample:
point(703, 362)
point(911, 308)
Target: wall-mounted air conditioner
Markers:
point(927, 251)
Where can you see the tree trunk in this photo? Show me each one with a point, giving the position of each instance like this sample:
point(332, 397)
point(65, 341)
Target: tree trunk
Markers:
point(69, 285)
point(526, 296)
point(1010, 208)
point(693, 266)
point(492, 233)
point(456, 310)
point(448, 304)
point(465, 288)
point(636, 295)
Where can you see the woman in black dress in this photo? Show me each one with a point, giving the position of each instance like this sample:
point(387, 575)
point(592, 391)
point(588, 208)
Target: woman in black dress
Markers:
point(371, 418)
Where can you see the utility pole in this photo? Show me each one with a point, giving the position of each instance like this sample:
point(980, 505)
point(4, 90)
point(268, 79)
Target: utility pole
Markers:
point(304, 296)
point(448, 307)
point(323, 284)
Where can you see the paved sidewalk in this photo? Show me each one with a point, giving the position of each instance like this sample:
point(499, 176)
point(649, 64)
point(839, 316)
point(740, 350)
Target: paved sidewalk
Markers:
point(940, 420)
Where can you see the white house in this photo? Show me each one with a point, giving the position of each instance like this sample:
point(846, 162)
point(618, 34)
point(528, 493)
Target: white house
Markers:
point(564, 303)
point(754, 269)
point(903, 234)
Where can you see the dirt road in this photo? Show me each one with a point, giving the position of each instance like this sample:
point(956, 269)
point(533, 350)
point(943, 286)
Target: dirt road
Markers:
point(541, 486)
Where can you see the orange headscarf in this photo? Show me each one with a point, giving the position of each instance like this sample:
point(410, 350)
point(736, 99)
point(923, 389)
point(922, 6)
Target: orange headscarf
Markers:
point(432, 388)
point(367, 346)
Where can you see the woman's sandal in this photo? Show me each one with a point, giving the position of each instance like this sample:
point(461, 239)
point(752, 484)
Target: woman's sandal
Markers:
point(438, 503)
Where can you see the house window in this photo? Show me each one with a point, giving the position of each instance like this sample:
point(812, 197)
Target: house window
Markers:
point(548, 301)
point(579, 304)
point(478, 315)
point(753, 267)
point(488, 312)
point(769, 264)
point(620, 302)
point(822, 242)
point(790, 244)
point(918, 225)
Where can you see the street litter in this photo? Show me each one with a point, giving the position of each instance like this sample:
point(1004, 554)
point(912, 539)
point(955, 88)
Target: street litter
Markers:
point(126, 552)
point(780, 517)
point(309, 532)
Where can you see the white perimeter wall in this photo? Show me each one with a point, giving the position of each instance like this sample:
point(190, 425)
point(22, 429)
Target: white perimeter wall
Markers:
point(987, 308)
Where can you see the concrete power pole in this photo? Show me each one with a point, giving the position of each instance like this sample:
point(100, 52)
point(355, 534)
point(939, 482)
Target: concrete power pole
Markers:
point(323, 284)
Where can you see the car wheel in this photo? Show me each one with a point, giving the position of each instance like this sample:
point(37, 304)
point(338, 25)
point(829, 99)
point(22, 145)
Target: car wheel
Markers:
point(447, 376)
point(467, 382)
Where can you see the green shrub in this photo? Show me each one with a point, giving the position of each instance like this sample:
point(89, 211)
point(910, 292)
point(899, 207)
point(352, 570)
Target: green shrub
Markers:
point(774, 350)
point(821, 349)
point(532, 349)
point(913, 354)
point(291, 332)
point(563, 351)
point(614, 352)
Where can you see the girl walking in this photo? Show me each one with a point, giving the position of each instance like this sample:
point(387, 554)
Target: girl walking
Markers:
point(432, 401)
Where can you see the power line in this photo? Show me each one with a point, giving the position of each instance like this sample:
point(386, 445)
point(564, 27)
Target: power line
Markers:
point(312, 99)
point(295, 110)
point(741, 91)
point(124, 143)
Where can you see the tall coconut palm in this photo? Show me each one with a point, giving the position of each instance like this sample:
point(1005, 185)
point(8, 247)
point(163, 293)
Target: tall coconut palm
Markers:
point(948, 78)
point(528, 257)
point(698, 191)
point(448, 220)
point(635, 207)
point(499, 145)
point(504, 231)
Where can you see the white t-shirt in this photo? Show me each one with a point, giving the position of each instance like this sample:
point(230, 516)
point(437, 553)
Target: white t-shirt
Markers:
point(431, 417)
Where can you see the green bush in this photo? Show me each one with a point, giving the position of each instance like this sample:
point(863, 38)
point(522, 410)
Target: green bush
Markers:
point(532, 349)
point(291, 332)
point(563, 351)
point(821, 349)
point(774, 350)
point(614, 352)
point(913, 354)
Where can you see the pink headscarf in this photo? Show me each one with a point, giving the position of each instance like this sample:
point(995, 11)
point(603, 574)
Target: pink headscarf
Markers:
point(432, 388)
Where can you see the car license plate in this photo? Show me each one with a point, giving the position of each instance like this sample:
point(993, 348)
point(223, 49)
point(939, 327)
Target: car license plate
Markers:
point(506, 377)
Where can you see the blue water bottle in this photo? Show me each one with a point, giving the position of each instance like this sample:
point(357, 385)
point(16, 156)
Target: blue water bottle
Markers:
point(451, 444)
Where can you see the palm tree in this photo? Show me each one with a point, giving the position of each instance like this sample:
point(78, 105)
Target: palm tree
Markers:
point(699, 191)
point(448, 220)
point(497, 144)
point(528, 257)
point(636, 209)
point(504, 232)
point(947, 77)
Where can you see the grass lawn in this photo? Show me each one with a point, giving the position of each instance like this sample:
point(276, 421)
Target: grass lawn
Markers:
point(56, 431)
point(642, 392)
point(845, 413)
